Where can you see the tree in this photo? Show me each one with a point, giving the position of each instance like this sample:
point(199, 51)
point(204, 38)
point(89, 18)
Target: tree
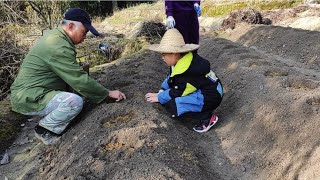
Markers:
point(95, 8)
point(49, 12)
point(12, 12)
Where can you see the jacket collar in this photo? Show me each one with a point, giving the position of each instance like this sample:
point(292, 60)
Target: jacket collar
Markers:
point(182, 65)
point(66, 35)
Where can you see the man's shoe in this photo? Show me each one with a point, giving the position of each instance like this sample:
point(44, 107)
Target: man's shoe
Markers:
point(204, 126)
point(48, 138)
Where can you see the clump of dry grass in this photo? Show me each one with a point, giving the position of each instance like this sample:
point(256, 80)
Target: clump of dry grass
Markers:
point(89, 52)
point(142, 12)
point(120, 45)
point(11, 55)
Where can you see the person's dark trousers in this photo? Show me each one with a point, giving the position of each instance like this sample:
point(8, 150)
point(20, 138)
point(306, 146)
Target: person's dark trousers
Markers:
point(187, 24)
point(198, 116)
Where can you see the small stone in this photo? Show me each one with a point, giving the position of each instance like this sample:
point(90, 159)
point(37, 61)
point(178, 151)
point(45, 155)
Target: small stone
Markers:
point(5, 159)
point(243, 168)
point(261, 87)
point(22, 125)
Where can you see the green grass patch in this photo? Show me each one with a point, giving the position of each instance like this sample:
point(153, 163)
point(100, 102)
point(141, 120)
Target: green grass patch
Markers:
point(278, 4)
point(213, 10)
point(221, 10)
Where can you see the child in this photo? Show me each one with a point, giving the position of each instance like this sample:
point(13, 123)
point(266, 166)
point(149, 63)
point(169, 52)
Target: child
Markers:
point(191, 87)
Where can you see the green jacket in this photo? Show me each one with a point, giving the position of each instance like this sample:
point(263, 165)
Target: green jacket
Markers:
point(47, 69)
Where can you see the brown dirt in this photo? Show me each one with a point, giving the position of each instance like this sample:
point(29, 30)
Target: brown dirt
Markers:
point(248, 15)
point(10, 125)
point(286, 42)
point(269, 119)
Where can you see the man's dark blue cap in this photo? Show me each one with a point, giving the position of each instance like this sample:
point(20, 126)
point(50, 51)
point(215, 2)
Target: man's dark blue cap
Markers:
point(77, 14)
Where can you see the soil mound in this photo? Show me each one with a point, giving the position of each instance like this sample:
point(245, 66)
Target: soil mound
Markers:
point(128, 140)
point(248, 15)
point(269, 119)
point(284, 14)
point(294, 44)
point(302, 17)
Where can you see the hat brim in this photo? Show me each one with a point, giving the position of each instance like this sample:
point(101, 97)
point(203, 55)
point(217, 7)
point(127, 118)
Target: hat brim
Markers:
point(172, 49)
point(92, 29)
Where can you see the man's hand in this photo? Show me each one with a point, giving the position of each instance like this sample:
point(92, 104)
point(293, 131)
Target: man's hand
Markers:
point(118, 95)
point(170, 22)
point(197, 9)
point(85, 66)
point(152, 97)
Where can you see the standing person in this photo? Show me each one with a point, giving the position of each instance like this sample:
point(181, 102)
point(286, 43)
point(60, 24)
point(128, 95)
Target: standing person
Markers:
point(183, 15)
point(48, 69)
point(191, 89)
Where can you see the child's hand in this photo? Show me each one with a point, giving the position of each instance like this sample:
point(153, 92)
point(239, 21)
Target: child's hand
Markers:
point(152, 97)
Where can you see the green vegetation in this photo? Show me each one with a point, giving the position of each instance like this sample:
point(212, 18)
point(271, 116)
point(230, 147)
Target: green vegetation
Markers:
point(223, 9)
point(210, 9)
point(279, 4)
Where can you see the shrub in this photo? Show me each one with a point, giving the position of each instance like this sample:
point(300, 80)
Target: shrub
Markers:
point(11, 55)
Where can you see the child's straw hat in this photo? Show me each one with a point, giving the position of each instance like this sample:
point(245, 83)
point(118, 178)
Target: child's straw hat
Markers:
point(172, 42)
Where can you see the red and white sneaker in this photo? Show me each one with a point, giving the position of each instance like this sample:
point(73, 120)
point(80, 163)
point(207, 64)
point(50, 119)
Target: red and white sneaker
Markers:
point(204, 126)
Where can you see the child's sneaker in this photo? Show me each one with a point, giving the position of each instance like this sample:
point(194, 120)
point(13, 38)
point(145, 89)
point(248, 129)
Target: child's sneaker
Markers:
point(204, 126)
point(48, 138)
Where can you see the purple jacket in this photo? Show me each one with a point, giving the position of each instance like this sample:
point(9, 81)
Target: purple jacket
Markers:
point(173, 6)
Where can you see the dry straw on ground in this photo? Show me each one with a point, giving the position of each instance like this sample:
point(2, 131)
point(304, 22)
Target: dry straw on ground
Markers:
point(10, 58)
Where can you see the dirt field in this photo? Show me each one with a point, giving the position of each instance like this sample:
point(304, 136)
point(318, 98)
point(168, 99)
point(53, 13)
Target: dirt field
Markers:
point(269, 119)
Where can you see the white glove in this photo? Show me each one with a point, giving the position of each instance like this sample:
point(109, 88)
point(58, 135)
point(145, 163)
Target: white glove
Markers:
point(197, 9)
point(170, 22)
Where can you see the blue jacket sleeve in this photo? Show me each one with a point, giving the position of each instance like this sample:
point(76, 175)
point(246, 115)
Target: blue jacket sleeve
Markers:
point(164, 96)
point(165, 85)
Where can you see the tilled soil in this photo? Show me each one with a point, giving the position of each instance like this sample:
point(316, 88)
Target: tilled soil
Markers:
point(295, 44)
point(267, 129)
